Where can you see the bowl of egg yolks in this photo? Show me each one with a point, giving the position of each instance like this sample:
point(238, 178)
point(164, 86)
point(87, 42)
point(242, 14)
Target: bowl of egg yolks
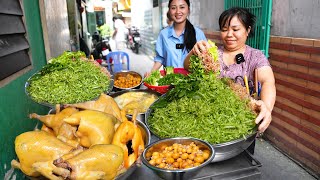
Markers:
point(177, 158)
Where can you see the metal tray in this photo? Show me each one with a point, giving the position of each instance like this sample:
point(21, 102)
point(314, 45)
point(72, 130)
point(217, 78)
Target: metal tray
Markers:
point(241, 166)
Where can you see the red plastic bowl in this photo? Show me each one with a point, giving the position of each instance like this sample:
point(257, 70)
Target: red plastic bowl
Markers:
point(164, 89)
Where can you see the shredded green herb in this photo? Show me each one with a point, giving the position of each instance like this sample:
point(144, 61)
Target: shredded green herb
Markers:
point(68, 79)
point(213, 113)
point(202, 106)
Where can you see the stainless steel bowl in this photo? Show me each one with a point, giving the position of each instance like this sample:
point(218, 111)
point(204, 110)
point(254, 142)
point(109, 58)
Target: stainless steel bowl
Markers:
point(141, 116)
point(223, 151)
point(107, 91)
point(123, 74)
point(180, 173)
point(231, 149)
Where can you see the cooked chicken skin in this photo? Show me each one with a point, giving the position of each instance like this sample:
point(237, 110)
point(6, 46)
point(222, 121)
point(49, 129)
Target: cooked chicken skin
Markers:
point(95, 127)
point(57, 152)
point(47, 129)
point(54, 123)
point(104, 103)
point(98, 162)
point(38, 147)
point(129, 131)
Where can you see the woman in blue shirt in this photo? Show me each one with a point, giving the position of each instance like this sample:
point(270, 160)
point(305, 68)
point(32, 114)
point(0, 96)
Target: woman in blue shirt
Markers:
point(174, 42)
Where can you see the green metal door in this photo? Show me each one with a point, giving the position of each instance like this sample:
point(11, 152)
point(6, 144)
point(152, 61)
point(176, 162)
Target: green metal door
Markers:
point(262, 10)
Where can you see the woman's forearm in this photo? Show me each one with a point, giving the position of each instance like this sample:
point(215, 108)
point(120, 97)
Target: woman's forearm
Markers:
point(268, 94)
point(156, 66)
point(268, 97)
point(268, 90)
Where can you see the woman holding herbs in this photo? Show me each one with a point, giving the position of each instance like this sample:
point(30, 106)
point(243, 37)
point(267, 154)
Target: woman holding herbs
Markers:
point(239, 61)
point(174, 42)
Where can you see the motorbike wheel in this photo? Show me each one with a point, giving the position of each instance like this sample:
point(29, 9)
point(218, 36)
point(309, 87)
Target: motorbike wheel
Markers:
point(136, 47)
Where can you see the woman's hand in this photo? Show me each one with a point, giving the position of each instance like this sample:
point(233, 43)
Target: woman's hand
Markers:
point(200, 47)
point(268, 97)
point(156, 67)
point(264, 117)
point(146, 74)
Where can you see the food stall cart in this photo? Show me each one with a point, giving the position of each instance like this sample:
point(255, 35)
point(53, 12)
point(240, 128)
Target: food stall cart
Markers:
point(238, 163)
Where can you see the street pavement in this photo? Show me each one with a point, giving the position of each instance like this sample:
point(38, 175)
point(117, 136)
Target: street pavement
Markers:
point(275, 165)
point(140, 63)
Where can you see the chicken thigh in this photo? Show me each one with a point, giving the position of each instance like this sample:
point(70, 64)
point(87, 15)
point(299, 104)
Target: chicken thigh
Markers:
point(100, 161)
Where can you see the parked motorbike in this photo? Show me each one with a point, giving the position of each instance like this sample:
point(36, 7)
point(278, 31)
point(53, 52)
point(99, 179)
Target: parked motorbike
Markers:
point(133, 39)
point(101, 46)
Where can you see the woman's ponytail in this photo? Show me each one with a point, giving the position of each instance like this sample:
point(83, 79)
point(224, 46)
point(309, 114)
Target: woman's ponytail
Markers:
point(189, 36)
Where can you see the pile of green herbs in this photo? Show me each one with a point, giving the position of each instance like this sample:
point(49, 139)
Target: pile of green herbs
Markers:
point(68, 78)
point(202, 106)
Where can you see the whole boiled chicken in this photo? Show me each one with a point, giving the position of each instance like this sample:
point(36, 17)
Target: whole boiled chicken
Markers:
point(36, 151)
